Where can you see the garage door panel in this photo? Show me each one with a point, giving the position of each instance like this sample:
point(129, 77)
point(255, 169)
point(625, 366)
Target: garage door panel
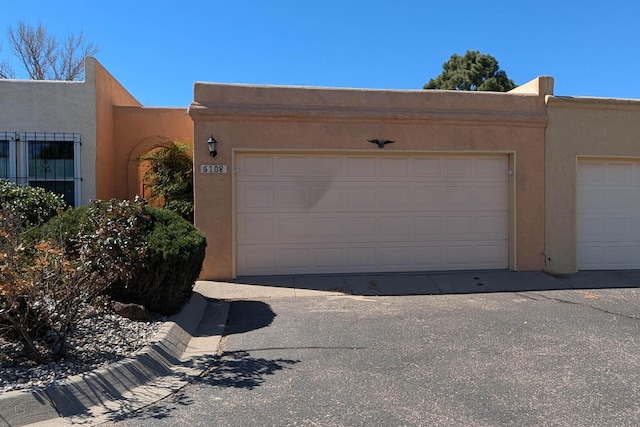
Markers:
point(606, 256)
point(361, 258)
point(591, 229)
point(428, 257)
point(394, 258)
point(486, 196)
point(390, 228)
point(491, 255)
point(427, 227)
point(609, 229)
point(392, 197)
point(294, 258)
point(458, 167)
point(358, 167)
point(427, 197)
point(619, 200)
point(621, 229)
point(360, 198)
point(490, 227)
point(254, 229)
point(326, 198)
point(359, 228)
point(257, 260)
point(608, 215)
point(330, 258)
point(294, 229)
point(459, 256)
point(326, 166)
point(474, 197)
point(350, 213)
point(619, 172)
point(458, 197)
point(257, 197)
point(255, 166)
point(426, 167)
point(394, 167)
point(489, 169)
point(457, 226)
point(291, 166)
point(591, 199)
point(293, 198)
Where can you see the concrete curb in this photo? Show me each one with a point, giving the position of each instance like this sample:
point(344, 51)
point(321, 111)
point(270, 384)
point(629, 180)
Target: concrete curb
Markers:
point(119, 388)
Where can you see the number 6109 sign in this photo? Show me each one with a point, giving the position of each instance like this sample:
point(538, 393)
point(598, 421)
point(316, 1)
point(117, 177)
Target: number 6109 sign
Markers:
point(213, 168)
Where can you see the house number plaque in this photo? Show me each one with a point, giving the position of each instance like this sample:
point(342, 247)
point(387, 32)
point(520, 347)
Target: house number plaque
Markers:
point(213, 168)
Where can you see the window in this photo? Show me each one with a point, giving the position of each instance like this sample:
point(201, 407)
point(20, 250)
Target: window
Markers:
point(5, 162)
point(47, 160)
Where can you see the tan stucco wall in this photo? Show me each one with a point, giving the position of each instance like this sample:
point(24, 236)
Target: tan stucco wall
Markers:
point(263, 118)
point(108, 94)
point(138, 130)
point(54, 106)
point(112, 124)
point(580, 128)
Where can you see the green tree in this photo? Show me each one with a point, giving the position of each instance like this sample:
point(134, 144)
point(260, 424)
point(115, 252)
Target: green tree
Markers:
point(170, 178)
point(472, 71)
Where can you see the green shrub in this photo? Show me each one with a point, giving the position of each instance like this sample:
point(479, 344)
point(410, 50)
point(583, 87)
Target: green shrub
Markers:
point(175, 252)
point(163, 276)
point(62, 228)
point(74, 259)
point(170, 178)
point(35, 205)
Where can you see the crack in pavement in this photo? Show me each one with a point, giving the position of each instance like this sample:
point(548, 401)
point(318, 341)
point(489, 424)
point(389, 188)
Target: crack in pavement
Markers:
point(295, 348)
point(560, 300)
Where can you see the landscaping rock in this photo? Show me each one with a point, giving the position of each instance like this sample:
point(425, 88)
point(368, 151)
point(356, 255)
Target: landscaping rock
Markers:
point(132, 311)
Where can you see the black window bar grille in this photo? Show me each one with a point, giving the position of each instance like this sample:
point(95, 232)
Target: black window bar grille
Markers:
point(52, 163)
point(5, 161)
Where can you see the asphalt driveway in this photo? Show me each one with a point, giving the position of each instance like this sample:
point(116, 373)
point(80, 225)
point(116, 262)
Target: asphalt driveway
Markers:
point(564, 357)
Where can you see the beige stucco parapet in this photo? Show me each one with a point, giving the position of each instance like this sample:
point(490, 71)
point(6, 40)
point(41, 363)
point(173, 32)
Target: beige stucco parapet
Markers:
point(245, 118)
point(543, 86)
point(361, 104)
point(580, 128)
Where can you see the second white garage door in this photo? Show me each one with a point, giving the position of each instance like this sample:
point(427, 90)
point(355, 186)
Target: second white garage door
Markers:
point(608, 215)
point(301, 214)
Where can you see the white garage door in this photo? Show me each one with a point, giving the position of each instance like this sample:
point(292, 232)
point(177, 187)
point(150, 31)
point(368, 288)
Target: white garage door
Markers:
point(608, 215)
point(300, 214)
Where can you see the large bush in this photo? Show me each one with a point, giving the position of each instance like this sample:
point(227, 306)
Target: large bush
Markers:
point(172, 263)
point(34, 205)
point(163, 277)
point(44, 280)
point(125, 249)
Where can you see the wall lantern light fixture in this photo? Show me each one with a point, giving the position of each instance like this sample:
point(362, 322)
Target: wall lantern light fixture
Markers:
point(211, 142)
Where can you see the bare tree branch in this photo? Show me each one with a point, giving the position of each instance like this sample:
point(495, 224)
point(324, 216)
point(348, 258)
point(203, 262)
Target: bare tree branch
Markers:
point(46, 57)
point(6, 72)
point(71, 54)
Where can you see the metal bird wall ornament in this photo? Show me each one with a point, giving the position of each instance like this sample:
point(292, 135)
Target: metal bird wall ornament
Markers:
point(380, 142)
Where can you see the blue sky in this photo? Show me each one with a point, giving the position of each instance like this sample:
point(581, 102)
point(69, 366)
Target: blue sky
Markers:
point(157, 49)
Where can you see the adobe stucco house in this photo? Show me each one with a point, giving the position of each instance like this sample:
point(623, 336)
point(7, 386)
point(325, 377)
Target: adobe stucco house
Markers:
point(592, 184)
point(304, 191)
point(522, 180)
point(81, 139)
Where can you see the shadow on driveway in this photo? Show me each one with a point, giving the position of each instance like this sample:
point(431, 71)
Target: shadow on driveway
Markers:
point(438, 283)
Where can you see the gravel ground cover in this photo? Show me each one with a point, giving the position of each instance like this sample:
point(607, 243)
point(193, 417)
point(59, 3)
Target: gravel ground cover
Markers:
point(101, 337)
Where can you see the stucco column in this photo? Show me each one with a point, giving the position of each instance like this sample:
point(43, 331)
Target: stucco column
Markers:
point(213, 202)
